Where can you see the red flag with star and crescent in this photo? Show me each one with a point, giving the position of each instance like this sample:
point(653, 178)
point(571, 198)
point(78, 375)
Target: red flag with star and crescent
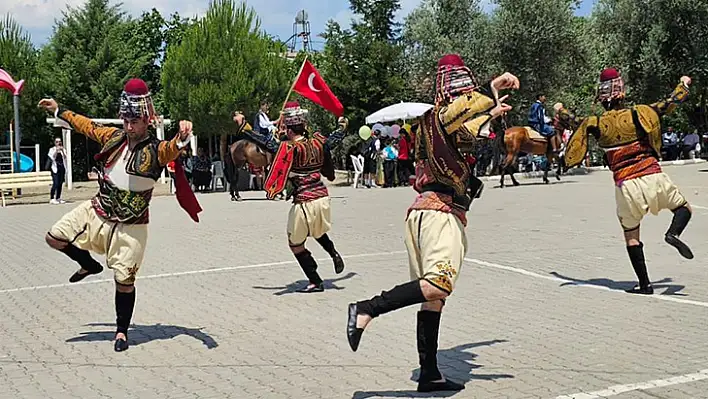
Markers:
point(310, 85)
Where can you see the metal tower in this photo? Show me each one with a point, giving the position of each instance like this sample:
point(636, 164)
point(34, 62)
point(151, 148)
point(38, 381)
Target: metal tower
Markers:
point(301, 29)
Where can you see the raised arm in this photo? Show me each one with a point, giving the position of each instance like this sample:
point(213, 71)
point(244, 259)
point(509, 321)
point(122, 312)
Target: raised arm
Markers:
point(471, 110)
point(335, 138)
point(81, 124)
point(168, 150)
point(679, 95)
point(241, 124)
point(471, 113)
point(577, 146)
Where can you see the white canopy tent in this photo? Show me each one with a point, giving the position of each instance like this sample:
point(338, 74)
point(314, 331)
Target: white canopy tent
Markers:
point(400, 111)
point(66, 137)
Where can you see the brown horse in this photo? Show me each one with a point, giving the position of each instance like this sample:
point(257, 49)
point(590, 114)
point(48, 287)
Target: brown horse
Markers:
point(522, 139)
point(239, 154)
point(518, 139)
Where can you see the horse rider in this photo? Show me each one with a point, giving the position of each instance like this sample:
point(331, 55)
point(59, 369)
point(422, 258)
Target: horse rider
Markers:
point(540, 122)
point(631, 139)
point(264, 132)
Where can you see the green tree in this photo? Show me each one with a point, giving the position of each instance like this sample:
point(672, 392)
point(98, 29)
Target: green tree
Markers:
point(654, 45)
point(536, 41)
point(18, 57)
point(223, 63)
point(439, 27)
point(364, 65)
point(93, 52)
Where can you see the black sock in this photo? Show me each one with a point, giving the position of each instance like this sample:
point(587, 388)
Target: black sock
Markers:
point(125, 303)
point(398, 297)
point(83, 258)
point(636, 256)
point(681, 217)
point(309, 266)
point(428, 327)
point(326, 244)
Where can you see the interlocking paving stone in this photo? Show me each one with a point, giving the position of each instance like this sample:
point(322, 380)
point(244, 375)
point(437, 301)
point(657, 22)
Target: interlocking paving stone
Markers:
point(241, 332)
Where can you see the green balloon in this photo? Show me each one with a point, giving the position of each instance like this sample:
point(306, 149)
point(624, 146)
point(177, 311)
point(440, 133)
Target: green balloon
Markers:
point(364, 132)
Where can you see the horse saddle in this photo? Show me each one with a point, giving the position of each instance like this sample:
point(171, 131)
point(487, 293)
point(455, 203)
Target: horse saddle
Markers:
point(534, 135)
point(263, 142)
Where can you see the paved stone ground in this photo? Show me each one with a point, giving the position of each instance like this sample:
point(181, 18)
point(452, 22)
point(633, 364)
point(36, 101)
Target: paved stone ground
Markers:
point(217, 317)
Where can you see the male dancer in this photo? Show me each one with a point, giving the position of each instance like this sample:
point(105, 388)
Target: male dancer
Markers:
point(301, 161)
point(435, 227)
point(114, 223)
point(631, 139)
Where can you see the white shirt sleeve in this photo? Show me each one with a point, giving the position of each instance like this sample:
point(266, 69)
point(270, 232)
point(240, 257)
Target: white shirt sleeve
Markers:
point(265, 123)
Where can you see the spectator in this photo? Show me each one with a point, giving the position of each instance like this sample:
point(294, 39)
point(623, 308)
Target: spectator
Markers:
point(371, 149)
point(689, 144)
point(390, 154)
point(670, 144)
point(201, 173)
point(57, 158)
point(404, 157)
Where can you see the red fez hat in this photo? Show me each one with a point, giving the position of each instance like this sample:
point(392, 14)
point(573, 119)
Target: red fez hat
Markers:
point(452, 60)
point(609, 74)
point(136, 87)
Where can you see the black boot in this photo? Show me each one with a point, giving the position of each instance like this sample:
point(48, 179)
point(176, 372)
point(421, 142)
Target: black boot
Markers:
point(636, 256)
point(681, 218)
point(476, 186)
point(399, 297)
point(309, 266)
point(430, 379)
point(125, 303)
point(328, 246)
point(85, 260)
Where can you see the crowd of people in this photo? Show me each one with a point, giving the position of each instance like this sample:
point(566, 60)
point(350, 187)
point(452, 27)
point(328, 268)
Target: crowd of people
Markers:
point(388, 161)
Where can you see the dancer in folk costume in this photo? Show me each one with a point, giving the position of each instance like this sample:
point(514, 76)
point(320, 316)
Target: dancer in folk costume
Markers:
point(115, 222)
point(631, 139)
point(435, 226)
point(300, 163)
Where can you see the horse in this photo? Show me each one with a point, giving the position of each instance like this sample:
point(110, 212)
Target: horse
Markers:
point(524, 139)
point(240, 153)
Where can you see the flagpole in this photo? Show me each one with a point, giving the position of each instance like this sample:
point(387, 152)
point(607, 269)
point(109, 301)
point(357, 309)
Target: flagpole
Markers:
point(293, 85)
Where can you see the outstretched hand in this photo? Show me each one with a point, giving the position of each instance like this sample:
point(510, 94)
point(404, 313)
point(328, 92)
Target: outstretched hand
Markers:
point(501, 107)
point(185, 129)
point(505, 81)
point(49, 104)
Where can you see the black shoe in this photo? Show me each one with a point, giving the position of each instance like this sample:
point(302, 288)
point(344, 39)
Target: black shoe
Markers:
point(312, 288)
point(76, 277)
point(338, 263)
point(447, 385)
point(648, 290)
point(120, 345)
point(683, 249)
point(353, 333)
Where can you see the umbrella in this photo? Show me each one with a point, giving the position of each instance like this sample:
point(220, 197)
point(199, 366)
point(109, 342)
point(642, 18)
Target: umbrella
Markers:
point(398, 111)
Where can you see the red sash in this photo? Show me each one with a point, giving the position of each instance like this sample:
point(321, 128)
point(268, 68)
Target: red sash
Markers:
point(279, 170)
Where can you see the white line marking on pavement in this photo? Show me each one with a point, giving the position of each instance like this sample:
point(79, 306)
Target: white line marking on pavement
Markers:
point(187, 273)
point(619, 389)
point(698, 206)
point(581, 284)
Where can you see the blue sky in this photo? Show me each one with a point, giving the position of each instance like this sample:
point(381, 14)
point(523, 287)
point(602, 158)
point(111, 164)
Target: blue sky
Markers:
point(277, 16)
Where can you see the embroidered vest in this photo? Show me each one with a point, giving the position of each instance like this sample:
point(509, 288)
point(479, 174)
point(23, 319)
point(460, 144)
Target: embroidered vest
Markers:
point(143, 161)
point(440, 166)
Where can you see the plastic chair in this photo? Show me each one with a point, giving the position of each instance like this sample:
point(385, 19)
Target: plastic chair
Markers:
point(217, 172)
point(358, 163)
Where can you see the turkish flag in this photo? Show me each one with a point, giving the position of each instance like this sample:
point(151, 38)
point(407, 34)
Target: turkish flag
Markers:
point(310, 85)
